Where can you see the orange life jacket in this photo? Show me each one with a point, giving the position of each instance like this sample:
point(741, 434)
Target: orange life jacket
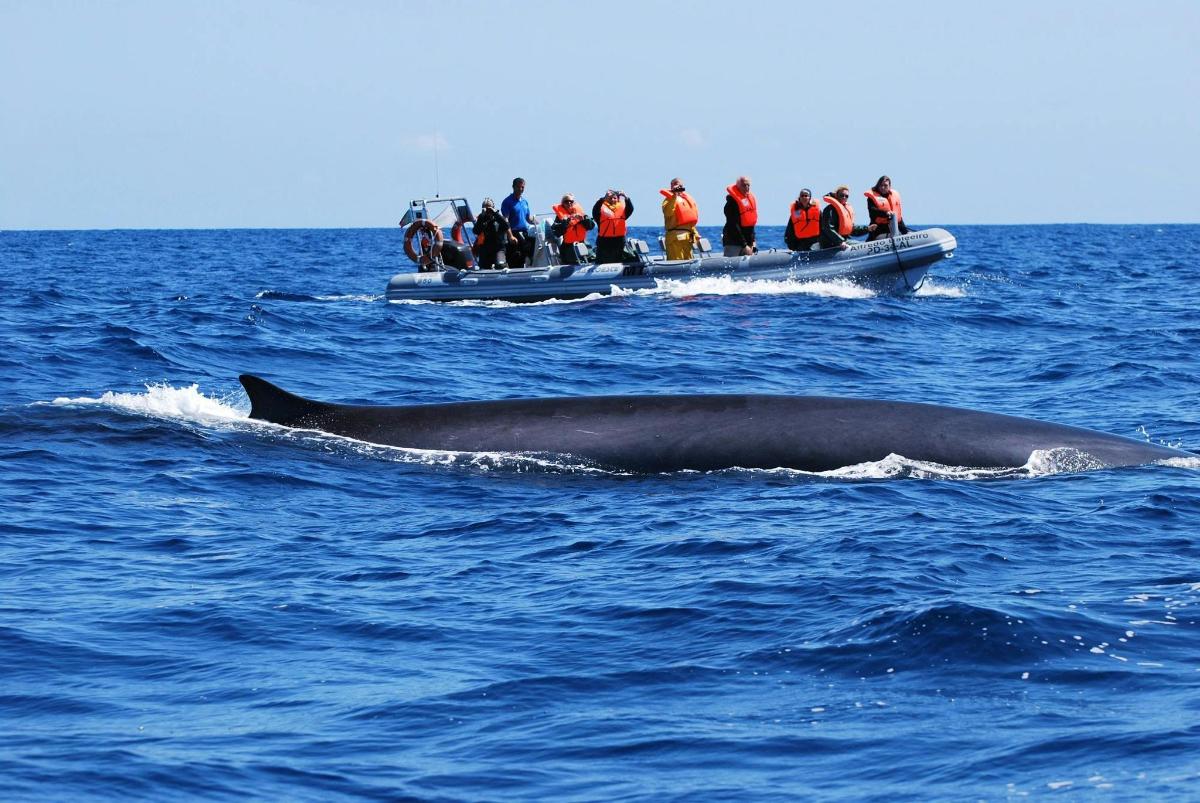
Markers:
point(747, 205)
point(612, 219)
point(885, 204)
point(575, 232)
point(805, 222)
point(845, 213)
point(687, 214)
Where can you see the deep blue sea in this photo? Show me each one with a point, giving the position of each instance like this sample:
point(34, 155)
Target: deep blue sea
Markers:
point(194, 605)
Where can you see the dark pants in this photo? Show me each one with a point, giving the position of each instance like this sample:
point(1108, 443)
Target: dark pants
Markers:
point(610, 249)
point(521, 251)
point(566, 254)
point(802, 243)
point(487, 257)
point(883, 230)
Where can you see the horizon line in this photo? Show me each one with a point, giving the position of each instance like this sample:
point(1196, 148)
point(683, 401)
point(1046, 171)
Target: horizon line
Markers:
point(373, 228)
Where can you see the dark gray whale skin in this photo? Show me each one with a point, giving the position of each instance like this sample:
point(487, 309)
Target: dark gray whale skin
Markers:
point(647, 434)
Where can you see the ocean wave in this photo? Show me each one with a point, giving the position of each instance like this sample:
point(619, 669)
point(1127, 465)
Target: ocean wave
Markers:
point(905, 638)
point(279, 295)
point(932, 288)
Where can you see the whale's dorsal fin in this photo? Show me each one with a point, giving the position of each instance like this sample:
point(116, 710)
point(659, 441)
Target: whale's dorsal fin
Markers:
point(274, 404)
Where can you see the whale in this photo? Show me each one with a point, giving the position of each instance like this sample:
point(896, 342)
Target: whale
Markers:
point(707, 432)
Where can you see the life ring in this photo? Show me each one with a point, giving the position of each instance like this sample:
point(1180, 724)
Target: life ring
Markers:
point(425, 228)
point(456, 233)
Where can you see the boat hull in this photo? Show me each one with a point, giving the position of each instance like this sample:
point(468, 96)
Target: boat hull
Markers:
point(887, 266)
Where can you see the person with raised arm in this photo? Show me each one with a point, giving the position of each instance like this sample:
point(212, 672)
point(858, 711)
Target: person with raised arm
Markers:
point(680, 216)
point(610, 214)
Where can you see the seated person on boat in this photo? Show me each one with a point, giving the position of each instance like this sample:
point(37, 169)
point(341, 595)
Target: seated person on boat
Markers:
point(837, 220)
point(803, 229)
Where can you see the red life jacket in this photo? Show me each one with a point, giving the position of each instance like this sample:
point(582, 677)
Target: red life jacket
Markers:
point(575, 232)
point(805, 222)
point(687, 214)
point(845, 213)
point(612, 219)
point(885, 204)
point(747, 206)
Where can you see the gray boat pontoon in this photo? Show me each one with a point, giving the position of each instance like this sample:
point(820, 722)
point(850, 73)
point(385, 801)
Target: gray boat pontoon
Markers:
point(895, 264)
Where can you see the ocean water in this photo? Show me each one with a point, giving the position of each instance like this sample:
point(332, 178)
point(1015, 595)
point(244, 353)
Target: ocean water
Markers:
point(194, 605)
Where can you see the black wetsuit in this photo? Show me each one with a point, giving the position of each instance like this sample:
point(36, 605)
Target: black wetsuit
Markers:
point(493, 228)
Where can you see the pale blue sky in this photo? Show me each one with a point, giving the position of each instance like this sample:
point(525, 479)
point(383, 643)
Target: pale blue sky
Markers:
point(296, 113)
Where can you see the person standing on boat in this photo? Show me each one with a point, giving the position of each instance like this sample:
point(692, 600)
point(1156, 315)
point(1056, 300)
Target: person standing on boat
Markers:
point(741, 216)
point(680, 216)
point(837, 220)
point(516, 209)
point(883, 204)
point(610, 213)
point(491, 234)
point(572, 225)
point(804, 223)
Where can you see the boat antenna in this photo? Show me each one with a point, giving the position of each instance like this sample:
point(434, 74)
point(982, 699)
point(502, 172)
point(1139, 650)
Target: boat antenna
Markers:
point(437, 176)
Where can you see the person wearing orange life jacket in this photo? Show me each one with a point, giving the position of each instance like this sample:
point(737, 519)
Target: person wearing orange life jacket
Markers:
point(837, 220)
point(610, 214)
point(572, 225)
point(804, 223)
point(680, 216)
point(883, 204)
point(741, 216)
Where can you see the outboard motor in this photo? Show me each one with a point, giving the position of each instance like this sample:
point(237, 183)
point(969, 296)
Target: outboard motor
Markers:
point(457, 255)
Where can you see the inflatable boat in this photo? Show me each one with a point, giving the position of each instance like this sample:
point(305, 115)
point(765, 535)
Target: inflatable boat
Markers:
point(895, 264)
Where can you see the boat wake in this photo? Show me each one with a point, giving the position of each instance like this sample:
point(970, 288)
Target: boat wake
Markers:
point(189, 406)
point(278, 295)
point(165, 401)
point(729, 286)
point(932, 289)
point(691, 288)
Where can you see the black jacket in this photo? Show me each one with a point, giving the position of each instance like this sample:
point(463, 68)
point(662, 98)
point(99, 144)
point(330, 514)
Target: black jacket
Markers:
point(829, 228)
point(734, 233)
point(494, 228)
point(874, 211)
point(596, 208)
point(559, 227)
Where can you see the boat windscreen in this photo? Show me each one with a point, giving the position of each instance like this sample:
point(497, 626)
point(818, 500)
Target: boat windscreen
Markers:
point(445, 217)
point(444, 212)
